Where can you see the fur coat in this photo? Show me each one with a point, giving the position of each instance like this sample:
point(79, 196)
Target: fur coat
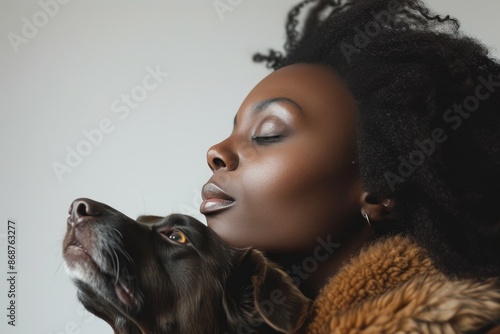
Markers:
point(392, 287)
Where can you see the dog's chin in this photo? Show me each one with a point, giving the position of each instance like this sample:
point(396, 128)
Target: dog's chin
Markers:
point(115, 292)
point(80, 265)
point(87, 266)
point(95, 283)
point(111, 300)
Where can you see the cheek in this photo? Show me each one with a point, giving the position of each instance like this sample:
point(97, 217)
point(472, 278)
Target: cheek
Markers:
point(286, 204)
point(307, 178)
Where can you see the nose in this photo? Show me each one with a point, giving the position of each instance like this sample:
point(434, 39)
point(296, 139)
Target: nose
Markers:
point(84, 207)
point(222, 156)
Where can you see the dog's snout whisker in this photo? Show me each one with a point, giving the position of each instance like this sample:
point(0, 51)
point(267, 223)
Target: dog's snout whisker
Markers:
point(129, 278)
point(117, 231)
point(140, 283)
point(120, 258)
point(127, 256)
point(117, 267)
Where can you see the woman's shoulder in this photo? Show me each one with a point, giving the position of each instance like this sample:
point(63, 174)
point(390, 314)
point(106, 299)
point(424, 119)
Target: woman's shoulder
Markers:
point(391, 286)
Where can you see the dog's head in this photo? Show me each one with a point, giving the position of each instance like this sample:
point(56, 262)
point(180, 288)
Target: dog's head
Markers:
point(174, 275)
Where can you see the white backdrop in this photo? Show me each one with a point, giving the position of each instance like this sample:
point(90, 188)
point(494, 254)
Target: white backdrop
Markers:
point(66, 69)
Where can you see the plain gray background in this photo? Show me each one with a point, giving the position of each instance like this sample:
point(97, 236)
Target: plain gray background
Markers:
point(68, 77)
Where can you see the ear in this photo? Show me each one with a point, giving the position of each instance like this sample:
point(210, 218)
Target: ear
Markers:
point(277, 299)
point(257, 287)
point(377, 210)
point(149, 219)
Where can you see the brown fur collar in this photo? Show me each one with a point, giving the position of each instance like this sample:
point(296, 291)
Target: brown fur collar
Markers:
point(392, 287)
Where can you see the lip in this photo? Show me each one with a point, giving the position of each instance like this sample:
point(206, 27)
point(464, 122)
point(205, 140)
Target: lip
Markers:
point(214, 199)
point(125, 294)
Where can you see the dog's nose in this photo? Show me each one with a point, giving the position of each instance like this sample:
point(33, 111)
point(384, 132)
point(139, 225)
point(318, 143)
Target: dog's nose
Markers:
point(84, 207)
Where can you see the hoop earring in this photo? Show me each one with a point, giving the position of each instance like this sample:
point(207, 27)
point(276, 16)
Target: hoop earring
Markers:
point(365, 215)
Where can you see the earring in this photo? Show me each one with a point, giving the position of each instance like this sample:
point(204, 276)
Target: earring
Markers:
point(365, 215)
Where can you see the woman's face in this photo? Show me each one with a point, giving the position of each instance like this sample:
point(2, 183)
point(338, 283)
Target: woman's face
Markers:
point(285, 177)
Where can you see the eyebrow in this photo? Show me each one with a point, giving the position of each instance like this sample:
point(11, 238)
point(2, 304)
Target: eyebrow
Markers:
point(266, 103)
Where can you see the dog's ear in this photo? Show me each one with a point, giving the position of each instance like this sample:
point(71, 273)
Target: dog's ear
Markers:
point(149, 219)
point(258, 290)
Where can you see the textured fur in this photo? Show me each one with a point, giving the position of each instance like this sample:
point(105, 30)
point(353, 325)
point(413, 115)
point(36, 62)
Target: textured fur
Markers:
point(174, 275)
point(404, 79)
point(392, 287)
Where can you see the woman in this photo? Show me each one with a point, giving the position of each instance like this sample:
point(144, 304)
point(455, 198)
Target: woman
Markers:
point(368, 165)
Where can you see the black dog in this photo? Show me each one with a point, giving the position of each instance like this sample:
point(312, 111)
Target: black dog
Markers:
point(174, 275)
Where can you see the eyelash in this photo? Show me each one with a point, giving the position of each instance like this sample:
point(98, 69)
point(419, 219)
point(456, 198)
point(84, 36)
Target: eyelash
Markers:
point(266, 139)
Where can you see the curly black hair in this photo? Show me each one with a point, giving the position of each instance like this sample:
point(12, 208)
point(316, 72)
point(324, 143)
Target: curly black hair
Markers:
point(428, 99)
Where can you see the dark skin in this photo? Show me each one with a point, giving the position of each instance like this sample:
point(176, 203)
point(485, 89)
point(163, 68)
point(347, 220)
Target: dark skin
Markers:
point(288, 165)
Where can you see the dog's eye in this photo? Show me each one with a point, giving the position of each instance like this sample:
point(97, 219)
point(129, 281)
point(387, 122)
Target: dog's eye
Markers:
point(177, 236)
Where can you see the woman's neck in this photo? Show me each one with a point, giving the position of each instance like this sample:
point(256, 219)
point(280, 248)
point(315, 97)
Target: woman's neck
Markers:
point(311, 271)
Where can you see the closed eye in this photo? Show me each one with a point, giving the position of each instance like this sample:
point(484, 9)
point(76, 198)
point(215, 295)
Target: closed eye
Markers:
point(266, 139)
